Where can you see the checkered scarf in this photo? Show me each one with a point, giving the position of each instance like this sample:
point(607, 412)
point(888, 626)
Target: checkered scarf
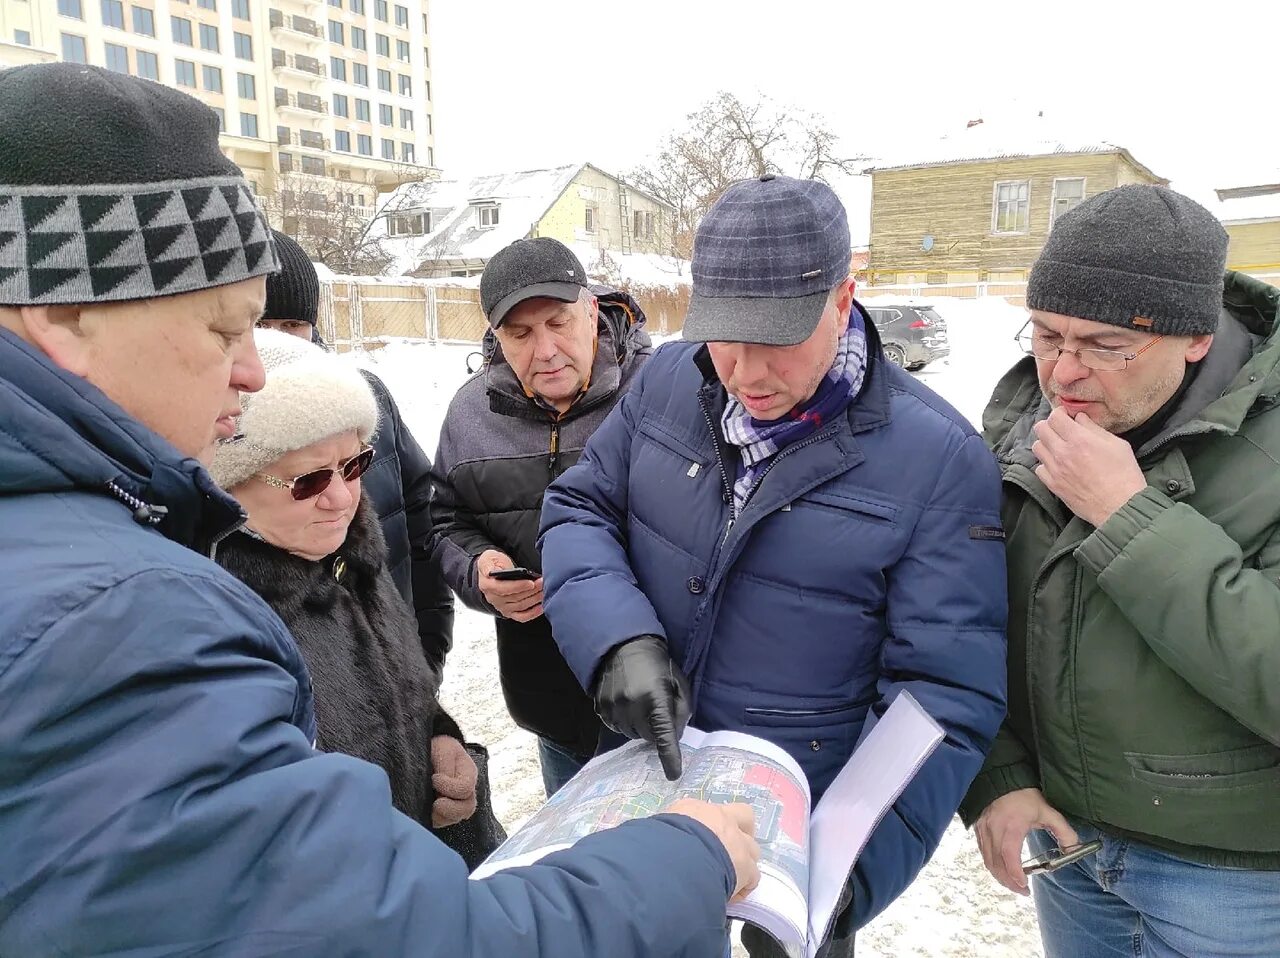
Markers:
point(759, 440)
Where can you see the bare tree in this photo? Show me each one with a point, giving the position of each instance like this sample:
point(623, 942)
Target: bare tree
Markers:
point(328, 219)
point(728, 139)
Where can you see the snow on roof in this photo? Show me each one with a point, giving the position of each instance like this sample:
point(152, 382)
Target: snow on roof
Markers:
point(633, 269)
point(995, 141)
point(523, 198)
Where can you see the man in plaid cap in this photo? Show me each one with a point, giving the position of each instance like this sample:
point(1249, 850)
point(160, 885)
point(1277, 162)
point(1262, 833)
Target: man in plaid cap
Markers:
point(776, 531)
point(159, 792)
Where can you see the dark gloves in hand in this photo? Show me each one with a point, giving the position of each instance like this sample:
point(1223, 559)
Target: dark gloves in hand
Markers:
point(640, 693)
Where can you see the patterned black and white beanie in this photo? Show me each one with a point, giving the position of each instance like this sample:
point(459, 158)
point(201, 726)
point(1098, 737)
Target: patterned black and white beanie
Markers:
point(113, 188)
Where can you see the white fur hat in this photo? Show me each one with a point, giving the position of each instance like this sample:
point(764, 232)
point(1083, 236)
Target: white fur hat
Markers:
point(310, 395)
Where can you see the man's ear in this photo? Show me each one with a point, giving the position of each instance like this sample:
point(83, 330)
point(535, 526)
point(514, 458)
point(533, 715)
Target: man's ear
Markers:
point(56, 331)
point(1198, 348)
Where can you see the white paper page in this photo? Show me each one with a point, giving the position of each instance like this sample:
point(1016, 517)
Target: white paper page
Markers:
point(862, 792)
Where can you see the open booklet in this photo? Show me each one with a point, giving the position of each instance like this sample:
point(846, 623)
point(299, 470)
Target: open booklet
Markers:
point(805, 858)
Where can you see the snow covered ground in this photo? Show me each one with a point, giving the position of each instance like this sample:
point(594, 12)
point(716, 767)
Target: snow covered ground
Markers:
point(954, 909)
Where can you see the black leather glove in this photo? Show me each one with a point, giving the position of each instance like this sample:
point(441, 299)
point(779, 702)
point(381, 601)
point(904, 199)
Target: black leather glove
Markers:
point(640, 693)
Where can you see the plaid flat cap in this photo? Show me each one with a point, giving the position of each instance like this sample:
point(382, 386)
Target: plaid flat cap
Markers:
point(765, 258)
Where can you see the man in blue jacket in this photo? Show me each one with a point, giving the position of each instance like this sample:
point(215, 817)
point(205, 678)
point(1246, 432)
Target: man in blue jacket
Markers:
point(778, 531)
point(159, 793)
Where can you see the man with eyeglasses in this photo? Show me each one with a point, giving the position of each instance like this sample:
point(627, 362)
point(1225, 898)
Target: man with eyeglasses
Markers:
point(1139, 445)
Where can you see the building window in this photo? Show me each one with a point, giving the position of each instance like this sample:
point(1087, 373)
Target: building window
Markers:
point(406, 85)
point(71, 8)
point(427, 84)
point(402, 16)
point(430, 126)
point(359, 38)
point(184, 73)
point(249, 124)
point(383, 44)
point(207, 4)
point(182, 31)
point(240, 9)
point(113, 14)
point(283, 135)
point(1067, 193)
point(1011, 209)
point(338, 68)
point(362, 110)
point(246, 86)
point(409, 224)
point(336, 32)
point(643, 224)
point(388, 149)
point(589, 222)
point(487, 216)
point(386, 115)
point(359, 74)
point(212, 79)
point(357, 6)
point(342, 140)
point(340, 105)
point(209, 37)
point(406, 119)
point(244, 46)
point(22, 38)
point(431, 156)
point(384, 80)
point(336, 3)
point(406, 152)
point(313, 165)
point(286, 162)
point(380, 10)
point(222, 118)
point(144, 22)
point(364, 144)
point(426, 58)
point(117, 57)
point(402, 50)
point(148, 65)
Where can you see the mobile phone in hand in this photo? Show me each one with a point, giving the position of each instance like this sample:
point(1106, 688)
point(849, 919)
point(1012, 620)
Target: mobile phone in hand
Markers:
point(1056, 858)
point(518, 574)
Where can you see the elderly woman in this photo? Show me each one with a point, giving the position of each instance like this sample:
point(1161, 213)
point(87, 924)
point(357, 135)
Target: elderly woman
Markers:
point(312, 548)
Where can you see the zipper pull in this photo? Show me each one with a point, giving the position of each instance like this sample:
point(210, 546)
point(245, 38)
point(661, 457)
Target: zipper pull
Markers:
point(555, 448)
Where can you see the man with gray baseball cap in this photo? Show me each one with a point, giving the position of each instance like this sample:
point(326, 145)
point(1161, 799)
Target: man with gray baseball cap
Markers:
point(776, 531)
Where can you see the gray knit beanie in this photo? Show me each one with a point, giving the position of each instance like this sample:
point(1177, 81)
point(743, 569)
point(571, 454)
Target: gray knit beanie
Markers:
point(310, 395)
point(1141, 257)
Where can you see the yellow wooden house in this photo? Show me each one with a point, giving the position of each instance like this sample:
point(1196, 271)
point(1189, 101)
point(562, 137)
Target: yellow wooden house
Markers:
point(1251, 215)
point(978, 206)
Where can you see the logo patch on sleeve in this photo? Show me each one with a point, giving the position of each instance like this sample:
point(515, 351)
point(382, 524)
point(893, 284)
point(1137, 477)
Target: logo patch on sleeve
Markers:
point(994, 533)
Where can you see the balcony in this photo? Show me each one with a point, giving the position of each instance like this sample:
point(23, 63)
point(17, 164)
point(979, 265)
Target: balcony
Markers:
point(294, 25)
point(300, 102)
point(309, 68)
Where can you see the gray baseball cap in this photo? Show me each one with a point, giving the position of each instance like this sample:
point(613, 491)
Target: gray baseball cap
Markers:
point(765, 258)
point(541, 267)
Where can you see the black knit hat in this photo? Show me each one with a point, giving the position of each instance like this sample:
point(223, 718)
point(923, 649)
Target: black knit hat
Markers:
point(527, 269)
point(113, 188)
point(294, 292)
point(1142, 257)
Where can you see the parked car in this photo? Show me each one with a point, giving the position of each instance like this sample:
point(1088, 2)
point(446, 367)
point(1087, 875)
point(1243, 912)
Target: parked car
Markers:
point(913, 334)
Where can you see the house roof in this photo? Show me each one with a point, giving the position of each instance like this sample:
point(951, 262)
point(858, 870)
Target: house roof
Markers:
point(1250, 207)
point(983, 142)
point(524, 198)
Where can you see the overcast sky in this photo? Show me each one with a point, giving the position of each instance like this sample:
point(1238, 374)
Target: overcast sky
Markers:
point(1195, 96)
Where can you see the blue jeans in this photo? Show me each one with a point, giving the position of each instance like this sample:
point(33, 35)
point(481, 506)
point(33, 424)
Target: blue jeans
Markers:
point(558, 764)
point(1136, 901)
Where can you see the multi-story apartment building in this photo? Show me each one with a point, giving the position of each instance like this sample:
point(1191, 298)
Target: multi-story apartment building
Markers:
point(322, 102)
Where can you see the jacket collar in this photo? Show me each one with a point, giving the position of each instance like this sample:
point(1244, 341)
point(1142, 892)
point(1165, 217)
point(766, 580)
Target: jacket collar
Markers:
point(61, 433)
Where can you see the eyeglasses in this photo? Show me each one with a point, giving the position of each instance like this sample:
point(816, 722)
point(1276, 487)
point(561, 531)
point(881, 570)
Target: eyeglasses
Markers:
point(1104, 360)
point(311, 484)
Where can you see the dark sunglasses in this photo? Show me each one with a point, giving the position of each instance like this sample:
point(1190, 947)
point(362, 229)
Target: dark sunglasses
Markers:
point(311, 484)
